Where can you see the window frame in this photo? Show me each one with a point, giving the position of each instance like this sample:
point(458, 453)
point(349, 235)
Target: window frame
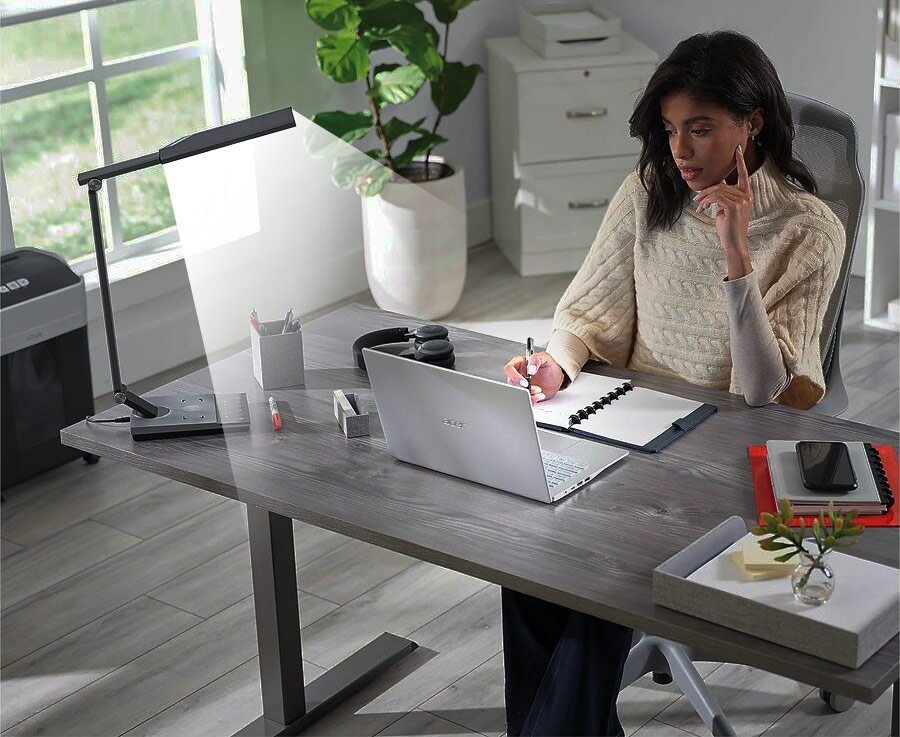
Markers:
point(96, 74)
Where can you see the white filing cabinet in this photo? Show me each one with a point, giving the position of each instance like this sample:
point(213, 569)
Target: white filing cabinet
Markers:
point(560, 147)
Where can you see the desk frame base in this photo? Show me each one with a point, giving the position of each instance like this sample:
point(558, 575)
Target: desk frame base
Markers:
point(288, 705)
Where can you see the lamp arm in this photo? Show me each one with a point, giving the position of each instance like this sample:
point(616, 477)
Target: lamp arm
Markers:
point(121, 392)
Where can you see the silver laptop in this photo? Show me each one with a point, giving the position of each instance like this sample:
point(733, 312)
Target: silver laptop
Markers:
point(477, 429)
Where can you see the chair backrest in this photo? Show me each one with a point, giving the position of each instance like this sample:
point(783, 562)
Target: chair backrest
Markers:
point(826, 141)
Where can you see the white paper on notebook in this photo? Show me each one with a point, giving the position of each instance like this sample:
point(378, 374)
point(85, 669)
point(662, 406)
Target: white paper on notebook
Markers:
point(587, 388)
point(636, 417)
point(639, 416)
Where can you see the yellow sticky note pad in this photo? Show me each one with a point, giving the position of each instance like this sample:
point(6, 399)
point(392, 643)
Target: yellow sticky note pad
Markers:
point(759, 574)
point(754, 556)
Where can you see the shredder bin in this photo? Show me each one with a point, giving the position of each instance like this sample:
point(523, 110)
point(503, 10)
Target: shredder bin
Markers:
point(46, 370)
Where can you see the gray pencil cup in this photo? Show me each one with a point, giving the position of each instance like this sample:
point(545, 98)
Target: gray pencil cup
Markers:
point(277, 357)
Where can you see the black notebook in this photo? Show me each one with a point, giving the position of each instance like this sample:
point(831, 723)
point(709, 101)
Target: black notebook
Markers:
point(615, 411)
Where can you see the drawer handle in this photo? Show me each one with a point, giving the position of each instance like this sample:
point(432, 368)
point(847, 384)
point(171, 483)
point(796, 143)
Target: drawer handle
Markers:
point(597, 112)
point(588, 205)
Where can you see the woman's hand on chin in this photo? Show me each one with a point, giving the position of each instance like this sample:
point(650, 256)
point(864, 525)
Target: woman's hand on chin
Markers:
point(733, 216)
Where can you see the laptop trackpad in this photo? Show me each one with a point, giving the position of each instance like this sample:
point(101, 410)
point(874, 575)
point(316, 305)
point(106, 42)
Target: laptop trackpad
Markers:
point(556, 442)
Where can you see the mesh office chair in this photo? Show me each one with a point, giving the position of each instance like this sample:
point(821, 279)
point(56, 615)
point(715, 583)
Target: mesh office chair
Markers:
point(827, 142)
point(825, 139)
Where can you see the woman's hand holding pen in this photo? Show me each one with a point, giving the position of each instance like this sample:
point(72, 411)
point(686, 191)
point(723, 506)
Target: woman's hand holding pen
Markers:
point(733, 217)
point(546, 375)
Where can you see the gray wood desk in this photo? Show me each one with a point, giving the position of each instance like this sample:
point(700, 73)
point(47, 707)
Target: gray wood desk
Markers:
point(594, 551)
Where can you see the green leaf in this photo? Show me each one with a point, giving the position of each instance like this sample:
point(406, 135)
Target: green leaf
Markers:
point(758, 530)
point(343, 57)
point(447, 10)
point(767, 545)
point(395, 128)
point(371, 184)
point(348, 127)
point(333, 130)
point(380, 21)
point(784, 531)
point(384, 68)
point(786, 557)
point(770, 519)
point(418, 147)
point(453, 86)
point(333, 15)
point(419, 48)
point(347, 170)
point(787, 511)
point(855, 530)
point(851, 515)
point(397, 85)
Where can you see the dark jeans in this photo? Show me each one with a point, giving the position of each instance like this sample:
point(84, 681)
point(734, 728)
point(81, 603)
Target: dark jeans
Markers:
point(563, 669)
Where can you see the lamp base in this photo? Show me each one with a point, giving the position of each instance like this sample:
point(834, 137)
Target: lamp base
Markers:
point(193, 414)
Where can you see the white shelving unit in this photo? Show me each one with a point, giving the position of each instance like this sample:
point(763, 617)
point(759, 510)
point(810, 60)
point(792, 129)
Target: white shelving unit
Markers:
point(882, 215)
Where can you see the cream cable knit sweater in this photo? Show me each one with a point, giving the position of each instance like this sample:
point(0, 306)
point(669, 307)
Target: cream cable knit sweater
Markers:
point(656, 301)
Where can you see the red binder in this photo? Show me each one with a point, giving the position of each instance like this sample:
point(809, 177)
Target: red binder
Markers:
point(765, 496)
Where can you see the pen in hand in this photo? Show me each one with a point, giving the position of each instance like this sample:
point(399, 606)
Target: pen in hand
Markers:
point(529, 352)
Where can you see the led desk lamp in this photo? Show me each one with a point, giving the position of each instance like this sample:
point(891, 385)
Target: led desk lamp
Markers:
point(182, 414)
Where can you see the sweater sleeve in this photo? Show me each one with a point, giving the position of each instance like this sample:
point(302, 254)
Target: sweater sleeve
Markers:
point(755, 355)
point(796, 303)
point(597, 310)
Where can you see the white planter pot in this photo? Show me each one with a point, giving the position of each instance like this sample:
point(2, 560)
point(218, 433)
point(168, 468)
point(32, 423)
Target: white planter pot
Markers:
point(415, 244)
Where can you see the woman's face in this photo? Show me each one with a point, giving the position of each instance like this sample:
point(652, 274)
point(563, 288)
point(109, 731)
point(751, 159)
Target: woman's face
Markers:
point(703, 139)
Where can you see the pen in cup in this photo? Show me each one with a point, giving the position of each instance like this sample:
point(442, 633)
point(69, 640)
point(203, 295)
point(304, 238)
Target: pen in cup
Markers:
point(288, 318)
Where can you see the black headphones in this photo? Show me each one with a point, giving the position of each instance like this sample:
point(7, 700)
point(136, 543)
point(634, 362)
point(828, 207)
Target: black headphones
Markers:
point(432, 344)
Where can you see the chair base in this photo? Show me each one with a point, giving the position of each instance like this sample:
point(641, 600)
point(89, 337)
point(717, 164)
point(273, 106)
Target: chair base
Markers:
point(657, 655)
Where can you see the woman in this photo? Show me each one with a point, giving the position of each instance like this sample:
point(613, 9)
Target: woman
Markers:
point(710, 266)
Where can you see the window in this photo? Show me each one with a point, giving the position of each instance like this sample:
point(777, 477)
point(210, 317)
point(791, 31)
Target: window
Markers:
point(81, 88)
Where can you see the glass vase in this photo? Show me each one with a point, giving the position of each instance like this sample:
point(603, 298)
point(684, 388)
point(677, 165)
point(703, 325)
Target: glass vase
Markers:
point(813, 579)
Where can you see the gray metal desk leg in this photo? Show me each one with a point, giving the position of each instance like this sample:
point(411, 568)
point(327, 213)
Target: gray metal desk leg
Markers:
point(895, 709)
point(288, 706)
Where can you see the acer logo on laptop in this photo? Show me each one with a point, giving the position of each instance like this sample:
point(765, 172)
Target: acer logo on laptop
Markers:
point(453, 423)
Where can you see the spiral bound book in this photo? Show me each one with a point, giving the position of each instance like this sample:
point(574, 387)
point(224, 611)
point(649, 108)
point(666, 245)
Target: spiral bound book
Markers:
point(612, 410)
point(873, 494)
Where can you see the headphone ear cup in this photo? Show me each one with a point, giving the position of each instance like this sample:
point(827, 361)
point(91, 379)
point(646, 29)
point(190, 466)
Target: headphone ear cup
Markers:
point(438, 352)
point(430, 332)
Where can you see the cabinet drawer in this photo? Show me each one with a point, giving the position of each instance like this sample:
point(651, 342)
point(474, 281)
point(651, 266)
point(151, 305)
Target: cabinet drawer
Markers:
point(578, 113)
point(564, 211)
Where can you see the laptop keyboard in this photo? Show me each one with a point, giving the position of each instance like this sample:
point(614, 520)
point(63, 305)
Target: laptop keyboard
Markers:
point(560, 468)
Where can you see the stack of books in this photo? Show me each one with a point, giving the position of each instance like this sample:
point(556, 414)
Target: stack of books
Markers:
point(871, 496)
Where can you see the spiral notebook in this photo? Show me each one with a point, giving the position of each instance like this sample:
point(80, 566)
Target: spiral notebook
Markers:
point(612, 410)
point(873, 494)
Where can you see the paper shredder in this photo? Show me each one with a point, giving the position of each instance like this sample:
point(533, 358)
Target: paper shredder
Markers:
point(46, 370)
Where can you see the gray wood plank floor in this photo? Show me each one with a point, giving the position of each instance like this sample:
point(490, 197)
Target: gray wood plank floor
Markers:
point(126, 609)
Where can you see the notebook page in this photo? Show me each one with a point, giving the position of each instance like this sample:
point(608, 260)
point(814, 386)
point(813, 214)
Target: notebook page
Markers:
point(587, 388)
point(639, 416)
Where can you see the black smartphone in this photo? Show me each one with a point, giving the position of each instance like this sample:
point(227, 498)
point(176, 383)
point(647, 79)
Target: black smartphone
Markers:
point(826, 467)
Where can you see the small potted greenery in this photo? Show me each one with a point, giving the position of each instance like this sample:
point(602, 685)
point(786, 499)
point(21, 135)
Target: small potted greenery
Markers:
point(414, 234)
point(812, 579)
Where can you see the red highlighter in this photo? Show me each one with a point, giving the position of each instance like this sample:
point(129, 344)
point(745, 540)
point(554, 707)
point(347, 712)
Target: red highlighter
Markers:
point(276, 415)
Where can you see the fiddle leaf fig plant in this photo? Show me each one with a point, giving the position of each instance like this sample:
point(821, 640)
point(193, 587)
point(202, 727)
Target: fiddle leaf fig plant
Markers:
point(357, 31)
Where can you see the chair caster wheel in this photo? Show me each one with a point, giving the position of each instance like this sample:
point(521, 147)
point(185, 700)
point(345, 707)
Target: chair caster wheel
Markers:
point(662, 678)
point(90, 458)
point(837, 702)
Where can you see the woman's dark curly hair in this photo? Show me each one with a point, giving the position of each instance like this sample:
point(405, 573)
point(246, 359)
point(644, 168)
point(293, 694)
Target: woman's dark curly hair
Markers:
point(721, 68)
